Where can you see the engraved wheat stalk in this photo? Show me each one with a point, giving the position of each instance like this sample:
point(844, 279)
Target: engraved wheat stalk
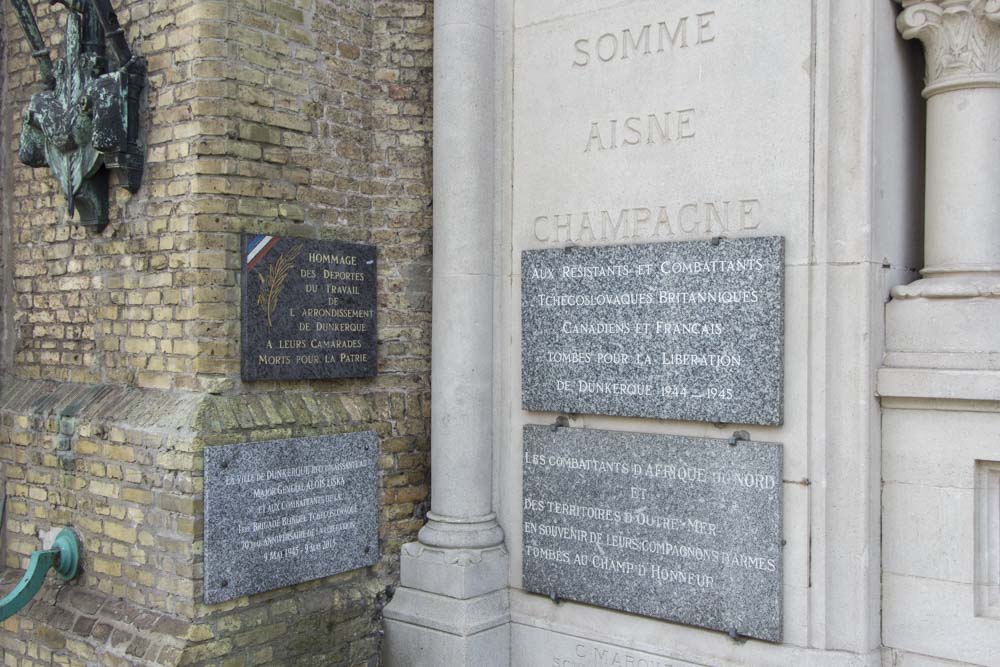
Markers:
point(273, 281)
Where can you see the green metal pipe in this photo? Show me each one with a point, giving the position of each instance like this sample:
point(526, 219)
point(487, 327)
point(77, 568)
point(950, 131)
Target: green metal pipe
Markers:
point(64, 557)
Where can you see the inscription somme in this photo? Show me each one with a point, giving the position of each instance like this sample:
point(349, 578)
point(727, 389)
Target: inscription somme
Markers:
point(281, 512)
point(660, 37)
point(684, 529)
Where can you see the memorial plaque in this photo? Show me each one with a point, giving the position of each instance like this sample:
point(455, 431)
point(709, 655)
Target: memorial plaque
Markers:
point(286, 511)
point(689, 330)
point(308, 309)
point(678, 528)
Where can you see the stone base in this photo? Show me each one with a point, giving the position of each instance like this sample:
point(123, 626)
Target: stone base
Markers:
point(567, 634)
point(958, 334)
point(455, 573)
point(451, 609)
point(428, 630)
point(940, 465)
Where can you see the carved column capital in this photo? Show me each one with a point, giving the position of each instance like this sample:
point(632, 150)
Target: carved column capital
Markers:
point(961, 41)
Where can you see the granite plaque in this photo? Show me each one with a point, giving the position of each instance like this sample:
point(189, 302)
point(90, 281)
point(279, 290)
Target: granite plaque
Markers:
point(282, 512)
point(308, 309)
point(679, 528)
point(688, 330)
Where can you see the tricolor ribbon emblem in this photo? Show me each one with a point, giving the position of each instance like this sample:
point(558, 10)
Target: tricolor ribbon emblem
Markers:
point(258, 246)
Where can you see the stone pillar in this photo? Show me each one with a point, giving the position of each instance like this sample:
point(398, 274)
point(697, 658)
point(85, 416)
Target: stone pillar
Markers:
point(940, 382)
point(931, 322)
point(452, 605)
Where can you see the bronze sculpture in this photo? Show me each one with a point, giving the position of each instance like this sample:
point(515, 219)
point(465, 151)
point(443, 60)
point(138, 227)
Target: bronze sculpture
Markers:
point(86, 121)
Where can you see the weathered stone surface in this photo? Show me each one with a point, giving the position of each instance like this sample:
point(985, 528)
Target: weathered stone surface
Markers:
point(690, 330)
point(308, 309)
point(684, 529)
point(286, 511)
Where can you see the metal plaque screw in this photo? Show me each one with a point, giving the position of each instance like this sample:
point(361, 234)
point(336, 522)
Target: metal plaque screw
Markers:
point(738, 437)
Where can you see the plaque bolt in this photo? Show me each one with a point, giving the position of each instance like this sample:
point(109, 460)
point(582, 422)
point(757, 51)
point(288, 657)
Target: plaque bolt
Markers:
point(738, 437)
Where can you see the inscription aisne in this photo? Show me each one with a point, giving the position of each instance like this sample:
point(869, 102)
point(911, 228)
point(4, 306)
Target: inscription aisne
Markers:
point(653, 129)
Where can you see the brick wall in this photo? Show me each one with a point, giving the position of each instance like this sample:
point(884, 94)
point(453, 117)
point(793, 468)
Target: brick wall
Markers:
point(289, 117)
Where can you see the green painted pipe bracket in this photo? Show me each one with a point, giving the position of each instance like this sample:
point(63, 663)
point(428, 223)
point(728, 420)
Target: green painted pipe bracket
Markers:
point(63, 557)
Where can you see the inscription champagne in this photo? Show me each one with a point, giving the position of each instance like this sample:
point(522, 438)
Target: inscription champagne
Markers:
point(679, 528)
point(689, 330)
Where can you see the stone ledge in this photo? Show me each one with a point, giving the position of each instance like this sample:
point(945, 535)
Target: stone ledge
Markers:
point(545, 633)
point(452, 616)
point(140, 409)
point(939, 384)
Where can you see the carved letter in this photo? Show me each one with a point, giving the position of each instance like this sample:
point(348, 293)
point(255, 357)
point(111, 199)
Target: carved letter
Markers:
point(684, 119)
point(581, 48)
point(564, 225)
point(693, 208)
point(642, 217)
point(585, 225)
point(712, 215)
point(704, 27)
point(627, 41)
point(632, 128)
point(663, 221)
point(663, 131)
point(611, 39)
point(616, 228)
point(595, 133)
point(680, 30)
point(542, 219)
point(748, 213)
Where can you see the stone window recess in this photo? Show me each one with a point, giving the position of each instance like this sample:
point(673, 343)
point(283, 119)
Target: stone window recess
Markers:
point(987, 547)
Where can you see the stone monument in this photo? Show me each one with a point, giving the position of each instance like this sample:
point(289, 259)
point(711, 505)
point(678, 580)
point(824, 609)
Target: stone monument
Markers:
point(576, 144)
point(703, 335)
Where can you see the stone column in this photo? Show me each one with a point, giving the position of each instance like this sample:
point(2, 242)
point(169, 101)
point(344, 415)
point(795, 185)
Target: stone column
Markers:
point(940, 383)
point(933, 321)
point(452, 605)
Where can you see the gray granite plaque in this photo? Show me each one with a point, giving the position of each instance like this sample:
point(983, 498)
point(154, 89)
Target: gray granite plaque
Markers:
point(282, 512)
point(308, 309)
point(683, 529)
point(690, 330)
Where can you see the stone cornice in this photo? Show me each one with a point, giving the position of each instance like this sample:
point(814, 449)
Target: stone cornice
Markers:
point(961, 41)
